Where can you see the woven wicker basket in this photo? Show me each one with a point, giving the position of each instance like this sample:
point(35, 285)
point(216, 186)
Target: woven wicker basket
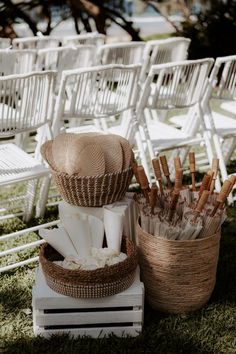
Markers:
point(179, 276)
point(89, 283)
point(89, 191)
point(93, 190)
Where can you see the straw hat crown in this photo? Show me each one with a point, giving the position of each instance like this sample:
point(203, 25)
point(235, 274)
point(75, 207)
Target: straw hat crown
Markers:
point(88, 154)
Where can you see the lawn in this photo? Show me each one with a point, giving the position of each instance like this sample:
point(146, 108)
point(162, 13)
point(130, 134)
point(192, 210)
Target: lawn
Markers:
point(209, 330)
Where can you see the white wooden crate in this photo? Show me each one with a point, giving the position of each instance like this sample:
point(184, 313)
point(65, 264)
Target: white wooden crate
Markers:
point(120, 314)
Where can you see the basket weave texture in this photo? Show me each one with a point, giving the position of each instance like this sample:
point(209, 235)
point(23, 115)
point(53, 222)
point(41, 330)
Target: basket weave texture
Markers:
point(94, 191)
point(179, 276)
point(89, 283)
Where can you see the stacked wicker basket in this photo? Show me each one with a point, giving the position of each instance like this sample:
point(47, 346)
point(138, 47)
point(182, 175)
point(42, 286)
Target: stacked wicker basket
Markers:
point(178, 268)
point(90, 170)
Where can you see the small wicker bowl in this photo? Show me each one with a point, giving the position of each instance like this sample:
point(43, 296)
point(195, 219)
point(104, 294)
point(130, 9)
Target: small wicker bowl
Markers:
point(89, 191)
point(96, 283)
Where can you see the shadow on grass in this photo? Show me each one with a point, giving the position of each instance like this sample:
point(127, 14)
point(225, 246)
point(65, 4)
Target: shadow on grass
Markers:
point(150, 341)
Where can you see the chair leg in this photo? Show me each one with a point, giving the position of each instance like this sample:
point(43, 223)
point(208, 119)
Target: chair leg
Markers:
point(229, 145)
point(30, 198)
point(43, 197)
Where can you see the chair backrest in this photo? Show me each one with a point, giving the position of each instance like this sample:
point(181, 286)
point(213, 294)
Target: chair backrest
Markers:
point(164, 51)
point(223, 78)
point(97, 92)
point(16, 61)
point(121, 53)
point(5, 43)
point(35, 42)
point(93, 38)
point(65, 58)
point(26, 102)
point(175, 85)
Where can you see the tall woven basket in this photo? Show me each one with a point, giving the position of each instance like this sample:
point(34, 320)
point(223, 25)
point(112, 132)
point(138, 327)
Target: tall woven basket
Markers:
point(179, 276)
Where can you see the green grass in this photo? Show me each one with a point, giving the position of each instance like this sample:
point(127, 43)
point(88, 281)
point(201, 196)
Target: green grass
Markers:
point(209, 330)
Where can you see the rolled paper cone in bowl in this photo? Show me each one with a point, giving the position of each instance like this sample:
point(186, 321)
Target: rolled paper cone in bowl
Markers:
point(79, 232)
point(96, 231)
point(59, 239)
point(113, 224)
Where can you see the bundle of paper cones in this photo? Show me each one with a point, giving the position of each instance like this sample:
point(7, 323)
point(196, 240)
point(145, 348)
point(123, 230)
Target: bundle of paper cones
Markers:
point(177, 212)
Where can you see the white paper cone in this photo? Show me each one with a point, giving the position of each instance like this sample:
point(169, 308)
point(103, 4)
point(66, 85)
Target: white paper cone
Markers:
point(67, 209)
point(79, 232)
point(96, 231)
point(113, 223)
point(59, 239)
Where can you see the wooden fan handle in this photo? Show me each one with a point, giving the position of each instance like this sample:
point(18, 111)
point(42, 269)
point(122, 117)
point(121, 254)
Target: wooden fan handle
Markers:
point(232, 180)
point(153, 197)
point(224, 191)
point(202, 201)
point(156, 168)
point(215, 166)
point(178, 179)
point(135, 171)
point(205, 184)
point(177, 163)
point(142, 178)
point(164, 165)
point(192, 166)
point(173, 204)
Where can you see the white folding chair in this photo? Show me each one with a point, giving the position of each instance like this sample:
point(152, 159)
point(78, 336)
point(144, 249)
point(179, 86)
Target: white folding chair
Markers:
point(35, 42)
point(17, 61)
point(170, 87)
point(221, 89)
point(96, 94)
point(26, 107)
point(121, 53)
point(5, 43)
point(163, 51)
point(64, 58)
point(93, 38)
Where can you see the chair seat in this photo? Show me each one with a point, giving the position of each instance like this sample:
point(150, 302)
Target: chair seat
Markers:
point(224, 125)
point(16, 165)
point(168, 136)
point(229, 106)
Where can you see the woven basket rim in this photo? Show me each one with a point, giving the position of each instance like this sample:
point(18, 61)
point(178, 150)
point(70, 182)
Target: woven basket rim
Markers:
point(75, 176)
point(180, 241)
point(132, 258)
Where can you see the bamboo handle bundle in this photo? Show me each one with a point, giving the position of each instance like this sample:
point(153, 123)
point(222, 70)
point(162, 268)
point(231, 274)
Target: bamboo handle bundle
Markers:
point(143, 182)
point(221, 198)
point(178, 179)
point(165, 170)
point(157, 171)
point(215, 168)
point(173, 204)
point(192, 168)
point(201, 203)
point(153, 197)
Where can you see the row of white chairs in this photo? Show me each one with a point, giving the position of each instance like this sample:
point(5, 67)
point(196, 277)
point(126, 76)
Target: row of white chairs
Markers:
point(95, 94)
point(81, 55)
point(42, 42)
